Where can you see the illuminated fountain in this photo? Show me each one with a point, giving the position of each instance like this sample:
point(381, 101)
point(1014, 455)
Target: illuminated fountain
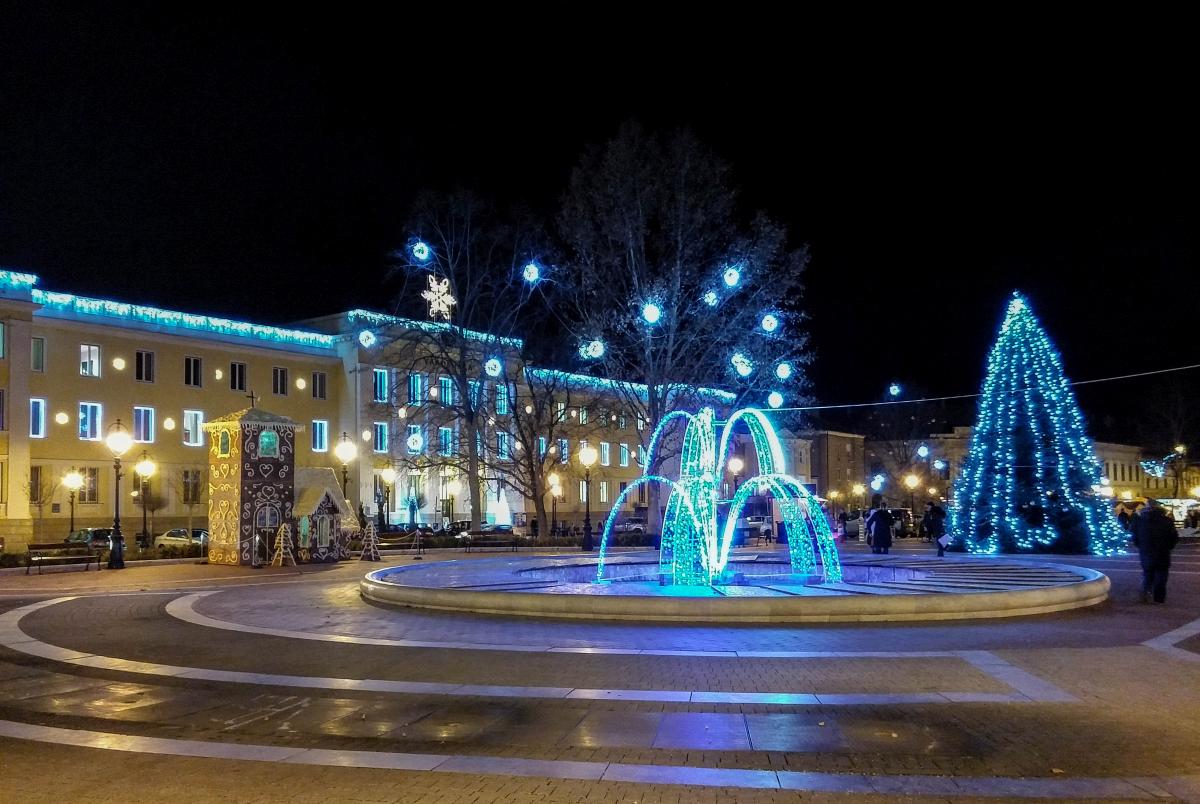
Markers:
point(695, 545)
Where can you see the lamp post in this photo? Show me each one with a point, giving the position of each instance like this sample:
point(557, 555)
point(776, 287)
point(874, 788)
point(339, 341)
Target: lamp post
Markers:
point(73, 480)
point(144, 469)
point(860, 491)
point(555, 490)
point(587, 457)
point(388, 476)
point(118, 442)
point(735, 466)
point(453, 487)
point(911, 481)
point(834, 495)
point(346, 451)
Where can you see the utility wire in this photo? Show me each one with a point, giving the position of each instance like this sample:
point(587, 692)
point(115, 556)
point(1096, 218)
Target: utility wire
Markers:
point(882, 403)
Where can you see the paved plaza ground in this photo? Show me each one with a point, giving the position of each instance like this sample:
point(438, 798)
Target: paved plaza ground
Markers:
point(195, 683)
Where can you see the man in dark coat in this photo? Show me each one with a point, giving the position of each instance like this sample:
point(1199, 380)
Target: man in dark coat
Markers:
point(879, 529)
point(934, 524)
point(1155, 537)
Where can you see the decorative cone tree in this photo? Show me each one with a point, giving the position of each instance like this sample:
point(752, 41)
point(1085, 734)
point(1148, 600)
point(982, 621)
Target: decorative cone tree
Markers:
point(1029, 481)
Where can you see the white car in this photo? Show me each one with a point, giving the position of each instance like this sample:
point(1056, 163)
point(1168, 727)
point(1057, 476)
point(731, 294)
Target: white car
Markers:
point(179, 537)
point(631, 525)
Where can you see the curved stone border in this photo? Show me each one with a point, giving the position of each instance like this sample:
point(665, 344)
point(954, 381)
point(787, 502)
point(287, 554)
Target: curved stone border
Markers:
point(1091, 588)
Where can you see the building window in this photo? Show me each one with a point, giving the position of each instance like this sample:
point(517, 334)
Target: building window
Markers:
point(416, 386)
point(237, 376)
point(379, 385)
point(502, 446)
point(268, 444)
point(192, 367)
point(35, 484)
point(89, 421)
point(641, 459)
point(3, 411)
point(624, 454)
point(318, 384)
point(541, 446)
point(622, 422)
point(583, 415)
point(37, 418)
point(561, 411)
point(605, 454)
point(193, 486)
point(641, 422)
point(381, 437)
point(473, 392)
point(446, 390)
point(193, 428)
point(89, 360)
point(223, 444)
point(564, 450)
point(445, 441)
point(89, 492)
point(501, 399)
point(37, 355)
point(143, 366)
point(641, 494)
point(143, 425)
point(603, 491)
point(320, 436)
point(279, 381)
point(415, 441)
point(583, 496)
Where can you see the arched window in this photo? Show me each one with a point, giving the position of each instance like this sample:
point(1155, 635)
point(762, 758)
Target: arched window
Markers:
point(268, 444)
point(267, 516)
point(223, 444)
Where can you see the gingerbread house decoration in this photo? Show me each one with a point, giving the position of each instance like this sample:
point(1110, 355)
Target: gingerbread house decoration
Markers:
point(325, 520)
point(252, 468)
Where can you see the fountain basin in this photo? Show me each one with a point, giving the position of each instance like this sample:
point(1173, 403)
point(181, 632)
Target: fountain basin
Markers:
point(756, 588)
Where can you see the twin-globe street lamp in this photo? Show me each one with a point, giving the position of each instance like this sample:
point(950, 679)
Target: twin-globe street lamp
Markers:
point(118, 442)
point(587, 457)
point(73, 480)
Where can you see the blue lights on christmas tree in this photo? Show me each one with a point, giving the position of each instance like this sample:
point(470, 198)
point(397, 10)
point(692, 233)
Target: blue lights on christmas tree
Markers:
point(1027, 483)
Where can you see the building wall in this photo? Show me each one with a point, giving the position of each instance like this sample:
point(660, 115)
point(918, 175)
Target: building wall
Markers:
point(838, 461)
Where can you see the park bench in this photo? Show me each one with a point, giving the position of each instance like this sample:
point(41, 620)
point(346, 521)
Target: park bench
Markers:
point(478, 540)
point(60, 553)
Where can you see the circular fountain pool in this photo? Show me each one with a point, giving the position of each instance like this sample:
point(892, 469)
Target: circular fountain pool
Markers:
point(756, 587)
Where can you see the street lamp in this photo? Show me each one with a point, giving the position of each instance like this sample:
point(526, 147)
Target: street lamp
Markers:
point(736, 465)
point(388, 476)
point(346, 451)
point(834, 494)
point(144, 469)
point(587, 457)
point(453, 487)
point(911, 481)
point(73, 480)
point(555, 493)
point(118, 442)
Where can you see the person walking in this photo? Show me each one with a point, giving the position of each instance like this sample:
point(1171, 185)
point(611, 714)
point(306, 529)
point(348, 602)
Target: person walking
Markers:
point(879, 529)
point(934, 524)
point(1154, 536)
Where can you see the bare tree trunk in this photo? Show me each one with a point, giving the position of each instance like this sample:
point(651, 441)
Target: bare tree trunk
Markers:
point(474, 481)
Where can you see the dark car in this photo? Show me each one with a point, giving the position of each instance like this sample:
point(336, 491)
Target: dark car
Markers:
point(904, 526)
point(100, 538)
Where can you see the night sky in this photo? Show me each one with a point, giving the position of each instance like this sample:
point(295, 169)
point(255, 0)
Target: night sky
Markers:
point(262, 167)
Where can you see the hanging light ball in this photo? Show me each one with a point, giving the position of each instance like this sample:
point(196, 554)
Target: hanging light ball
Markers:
point(732, 276)
point(651, 313)
point(493, 367)
point(532, 273)
point(592, 349)
point(366, 338)
point(711, 298)
point(775, 399)
point(783, 371)
point(741, 364)
point(894, 390)
point(421, 251)
point(770, 322)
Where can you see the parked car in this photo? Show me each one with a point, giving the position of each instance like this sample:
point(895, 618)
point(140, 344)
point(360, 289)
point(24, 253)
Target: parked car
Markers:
point(855, 524)
point(100, 538)
point(904, 526)
point(180, 537)
point(631, 525)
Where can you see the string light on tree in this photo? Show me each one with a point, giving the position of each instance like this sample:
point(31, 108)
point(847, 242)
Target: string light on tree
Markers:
point(711, 298)
point(775, 399)
point(732, 276)
point(770, 322)
point(532, 273)
point(593, 349)
point(1030, 479)
point(783, 371)
point(421, 252)
point(651, 313)
point(742, 364)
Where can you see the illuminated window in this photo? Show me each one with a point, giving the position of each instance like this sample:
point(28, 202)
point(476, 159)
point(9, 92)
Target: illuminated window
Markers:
point(268, 444)
point(605, 454)
point(415, 442)
point(89, 360)
point(624, 455)
point(89, 421)
point(603, 491)
point(193, 424)
point(473, 391)
point(501, 399)
point(89, 492)
point(541, 444)
point(563, 450)
point(446, 390)
point(445, 441)
point(380, 387)
point(583, 415)
point(143, 425)
point(320, 436)
point(416, 388)
point(37, 418)
point(381, 436)
point(583, 496)
point(502, 451)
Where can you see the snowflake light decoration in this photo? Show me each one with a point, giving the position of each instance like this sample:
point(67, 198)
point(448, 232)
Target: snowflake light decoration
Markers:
point(439, 298)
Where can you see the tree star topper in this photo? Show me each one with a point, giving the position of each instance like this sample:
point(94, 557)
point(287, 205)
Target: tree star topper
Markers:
point(439, 298)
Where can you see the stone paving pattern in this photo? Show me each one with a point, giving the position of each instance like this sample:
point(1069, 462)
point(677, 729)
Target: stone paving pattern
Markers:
point(1137, 714)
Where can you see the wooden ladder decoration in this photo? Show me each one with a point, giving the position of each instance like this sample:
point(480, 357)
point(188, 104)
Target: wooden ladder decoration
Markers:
point(370, 546)
point(283, 547)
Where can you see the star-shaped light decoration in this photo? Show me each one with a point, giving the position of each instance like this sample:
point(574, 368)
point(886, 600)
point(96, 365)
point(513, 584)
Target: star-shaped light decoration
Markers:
point(439, 298)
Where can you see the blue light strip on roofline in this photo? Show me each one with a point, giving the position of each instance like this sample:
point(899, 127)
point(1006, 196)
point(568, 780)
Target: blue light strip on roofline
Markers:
point(375, 319)
point(17, 279)
point(82, 305)
point(605, 384)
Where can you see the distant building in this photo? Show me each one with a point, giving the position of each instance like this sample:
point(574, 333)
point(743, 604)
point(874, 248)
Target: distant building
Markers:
point(837, 461)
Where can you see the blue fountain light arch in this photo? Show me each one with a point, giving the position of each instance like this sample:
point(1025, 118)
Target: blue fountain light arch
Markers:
point(695, 546)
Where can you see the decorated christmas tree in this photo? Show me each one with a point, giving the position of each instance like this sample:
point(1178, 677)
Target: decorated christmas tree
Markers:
point(1029, 481)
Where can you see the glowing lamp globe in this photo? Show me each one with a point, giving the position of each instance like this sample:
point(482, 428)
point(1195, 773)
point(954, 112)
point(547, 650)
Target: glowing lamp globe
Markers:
point(859, 489)
point(911, 481)
point(651, 313)
point(1196, 492)
point(532, 273)
point(711, 298)
point(894, 390)
point(145, 467)
point(388, 475)
point(453, 487)
point(783, 371)
point(775, 399)
point(415, 442)
point(366, 434)
point(587, 456)
point(742, 364)
point(346, 450)
point(876, 484)
point(736, 465)
point(923, 451)
point(931, 491)
point(119, 363)
point(731, 276)
point(118, 440)
point(553, 478)
point(939, 464)
point(62, 418)
point(366, 338)
point(493, 367)
point(770, 323)
point(73, 480)
point(593, 349)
